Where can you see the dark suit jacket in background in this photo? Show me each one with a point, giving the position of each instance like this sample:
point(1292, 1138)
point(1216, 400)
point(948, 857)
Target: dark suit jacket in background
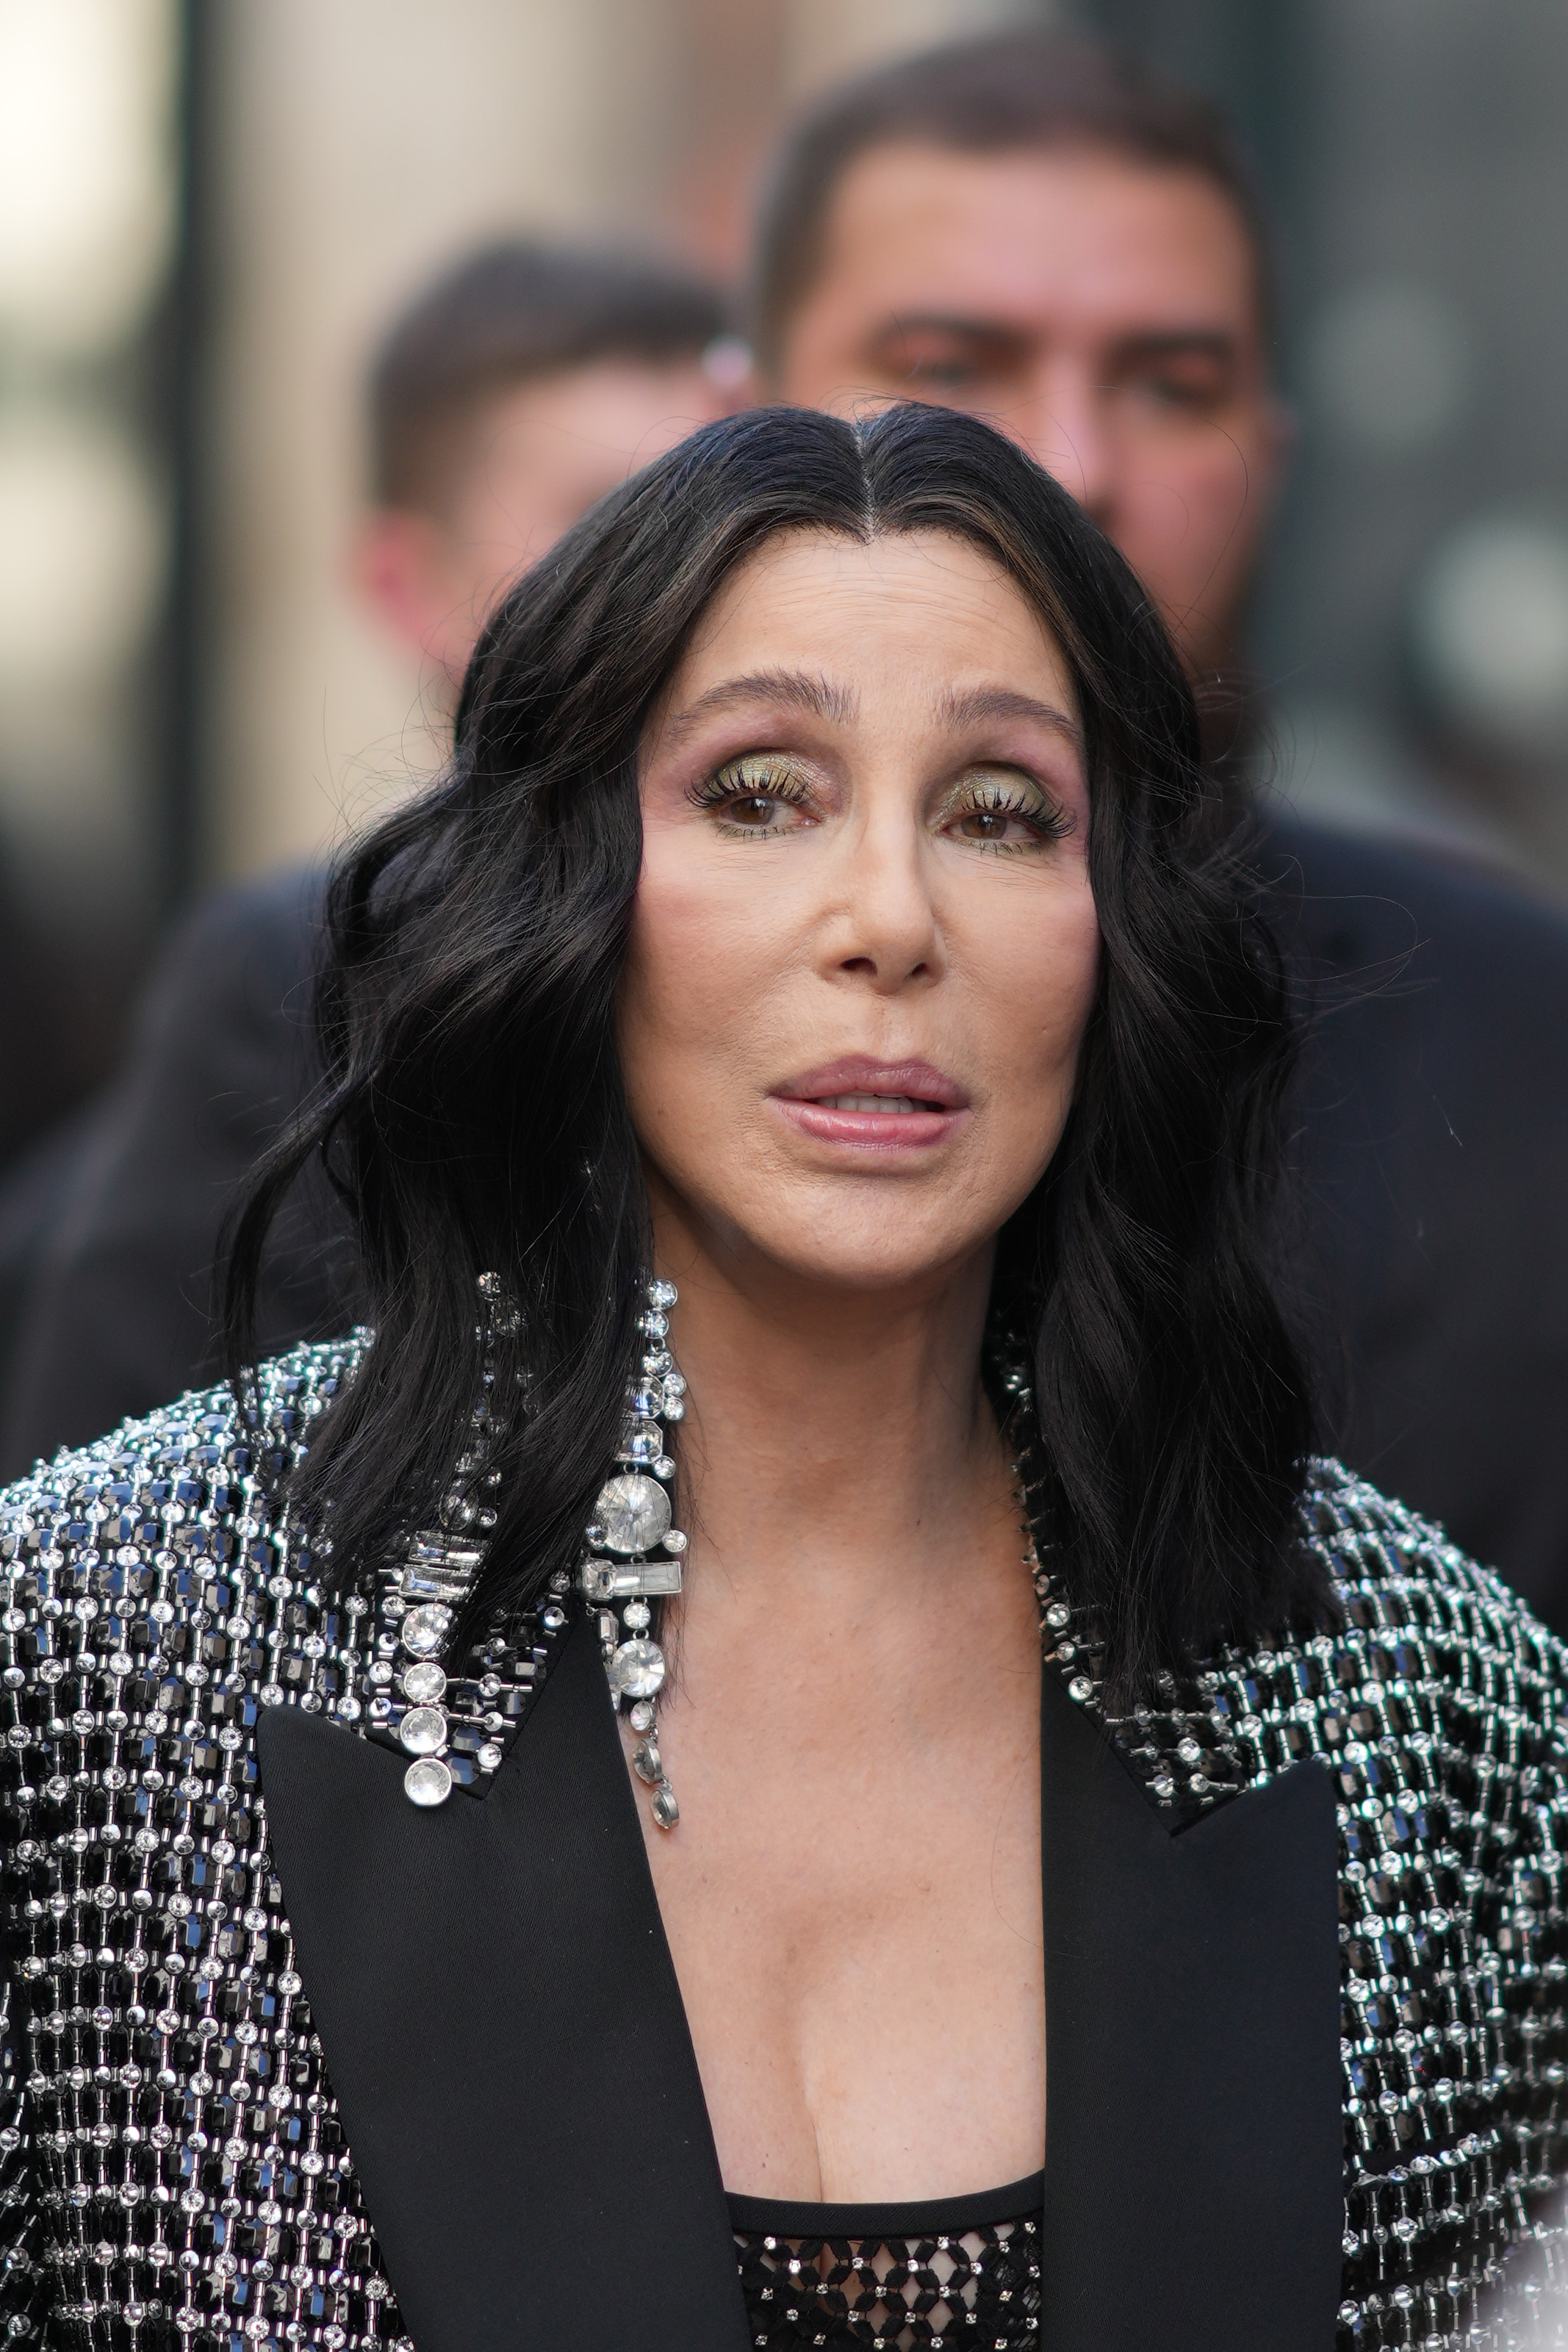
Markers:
point(1431, 1254)
point(107, 1250)
point(1433, 1138)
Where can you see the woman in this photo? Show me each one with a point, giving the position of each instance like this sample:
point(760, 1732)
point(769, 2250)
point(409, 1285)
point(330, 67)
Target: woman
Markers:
point(822, 980)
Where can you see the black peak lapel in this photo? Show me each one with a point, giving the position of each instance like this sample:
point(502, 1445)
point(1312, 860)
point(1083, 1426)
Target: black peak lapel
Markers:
point(504, 2034)
point(1194, 2186)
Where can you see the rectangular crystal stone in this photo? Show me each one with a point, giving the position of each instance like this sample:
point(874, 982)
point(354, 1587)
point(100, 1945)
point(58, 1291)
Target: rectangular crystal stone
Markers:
point(448, 1590)
point(441, 1552)
point(610, 1580)
point(652, 1576)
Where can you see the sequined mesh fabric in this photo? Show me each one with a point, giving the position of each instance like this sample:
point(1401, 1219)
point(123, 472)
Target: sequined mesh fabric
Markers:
point(910, 2290)
point(1441, 1708)
point(172, 2169)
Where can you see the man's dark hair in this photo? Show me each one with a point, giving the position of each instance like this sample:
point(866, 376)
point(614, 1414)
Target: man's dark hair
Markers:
point(474, 1116)
point(511, 312)
point(990, 96)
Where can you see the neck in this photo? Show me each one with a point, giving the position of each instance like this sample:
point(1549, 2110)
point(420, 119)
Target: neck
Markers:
point(838, 1444)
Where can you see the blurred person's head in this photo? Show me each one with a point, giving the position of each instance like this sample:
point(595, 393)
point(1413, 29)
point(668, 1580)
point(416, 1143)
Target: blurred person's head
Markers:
point(517, 389)
point(1044, 232)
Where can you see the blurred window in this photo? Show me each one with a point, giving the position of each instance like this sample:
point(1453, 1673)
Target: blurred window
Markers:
point(92, 125)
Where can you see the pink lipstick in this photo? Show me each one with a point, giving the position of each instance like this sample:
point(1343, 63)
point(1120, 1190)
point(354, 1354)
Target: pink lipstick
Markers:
point(865, 1104)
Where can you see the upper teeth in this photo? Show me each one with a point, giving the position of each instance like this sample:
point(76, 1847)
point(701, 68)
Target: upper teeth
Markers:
point(869, 1102)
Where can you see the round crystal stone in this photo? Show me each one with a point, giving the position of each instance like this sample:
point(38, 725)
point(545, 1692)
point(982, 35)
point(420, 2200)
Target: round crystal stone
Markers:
point(664, 1809)
point(662, 1294)
point(633, 1513)
point(637, 1669)
point(423, 1683)
point(423, 1730)
point(428, 1782)
point(641, 1441)
point(642, 1715)
point(424, 1630)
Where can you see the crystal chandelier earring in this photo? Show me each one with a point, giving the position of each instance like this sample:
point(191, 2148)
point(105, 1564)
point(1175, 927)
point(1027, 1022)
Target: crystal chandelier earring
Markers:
point(630, 1529)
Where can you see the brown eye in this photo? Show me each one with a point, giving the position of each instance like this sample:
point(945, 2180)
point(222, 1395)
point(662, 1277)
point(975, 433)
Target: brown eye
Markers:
point(755, 798)
point(1004, 810)
point(750, 809)
point(943, 375)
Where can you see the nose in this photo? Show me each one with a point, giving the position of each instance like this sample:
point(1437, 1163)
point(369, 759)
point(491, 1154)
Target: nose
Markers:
point(1069, 432)
point(882, 928)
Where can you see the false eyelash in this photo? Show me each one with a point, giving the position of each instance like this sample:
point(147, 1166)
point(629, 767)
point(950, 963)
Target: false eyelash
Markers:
point(777, 782)
point(1052, 822)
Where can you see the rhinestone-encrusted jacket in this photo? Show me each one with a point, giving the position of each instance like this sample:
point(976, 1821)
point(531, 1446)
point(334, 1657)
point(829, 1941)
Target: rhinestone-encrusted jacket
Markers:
point(173, 2165)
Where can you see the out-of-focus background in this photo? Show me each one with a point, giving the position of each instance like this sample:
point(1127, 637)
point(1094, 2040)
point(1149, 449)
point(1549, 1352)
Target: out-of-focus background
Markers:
point(207, 211)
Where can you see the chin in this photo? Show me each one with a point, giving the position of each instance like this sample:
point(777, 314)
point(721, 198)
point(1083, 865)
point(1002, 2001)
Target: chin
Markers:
point(882, 1262)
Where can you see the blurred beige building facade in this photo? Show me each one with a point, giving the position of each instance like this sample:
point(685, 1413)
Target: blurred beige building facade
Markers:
point(362, 144)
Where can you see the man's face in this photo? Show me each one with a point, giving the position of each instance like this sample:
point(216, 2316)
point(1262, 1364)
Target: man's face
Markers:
point(1103, 312)
point(536, 457)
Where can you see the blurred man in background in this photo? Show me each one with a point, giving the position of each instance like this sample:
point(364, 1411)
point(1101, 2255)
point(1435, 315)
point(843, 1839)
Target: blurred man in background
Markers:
point(519, 389)
point(1027, 230)
point(1031, 229)
point(523, 385)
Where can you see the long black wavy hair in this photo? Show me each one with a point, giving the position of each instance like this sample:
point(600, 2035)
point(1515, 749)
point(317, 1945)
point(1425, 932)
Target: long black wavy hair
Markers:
point(473, 1115)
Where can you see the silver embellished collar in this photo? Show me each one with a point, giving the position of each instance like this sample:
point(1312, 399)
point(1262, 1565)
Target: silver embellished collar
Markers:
point(449, 1727)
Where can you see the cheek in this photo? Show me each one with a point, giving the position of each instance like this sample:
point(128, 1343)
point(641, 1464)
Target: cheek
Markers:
point(1228, 510)
point(1040, 985)
point(699, 965)
point(1184, 508)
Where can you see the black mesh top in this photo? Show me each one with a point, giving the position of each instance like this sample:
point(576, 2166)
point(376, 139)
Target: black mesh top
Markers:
point(959, 2272)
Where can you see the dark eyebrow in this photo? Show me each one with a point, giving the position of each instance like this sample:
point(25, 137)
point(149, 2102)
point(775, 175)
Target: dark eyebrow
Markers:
point(786, 689)
point(944, 323)
point(1159, 342)
point(983, 702)
point(1171, 343)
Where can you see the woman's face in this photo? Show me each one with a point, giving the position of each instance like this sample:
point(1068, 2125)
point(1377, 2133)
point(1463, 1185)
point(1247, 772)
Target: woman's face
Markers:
point(864, 949)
